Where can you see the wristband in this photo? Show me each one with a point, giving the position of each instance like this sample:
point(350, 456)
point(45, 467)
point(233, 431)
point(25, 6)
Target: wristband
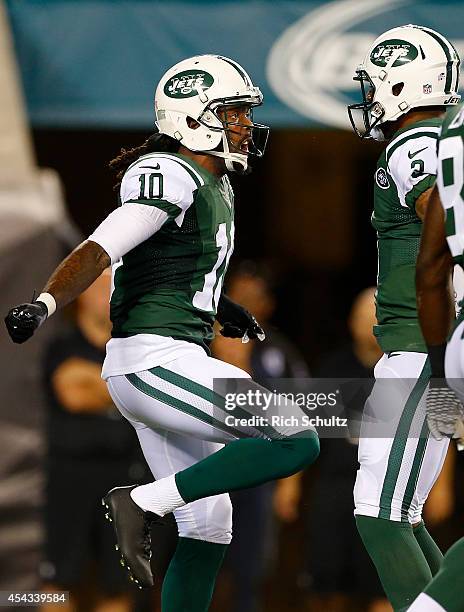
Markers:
point(49, 301)
point(437, 359)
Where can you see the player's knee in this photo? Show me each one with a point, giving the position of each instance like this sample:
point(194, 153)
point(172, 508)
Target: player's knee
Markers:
point(365, 493)
point(208, 519)
point(311, 449)
point(304, 452)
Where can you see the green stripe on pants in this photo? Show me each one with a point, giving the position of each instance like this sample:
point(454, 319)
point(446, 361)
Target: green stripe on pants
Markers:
point(414, 475)
point(186, 384)
point(144, 387)
point(399, 443)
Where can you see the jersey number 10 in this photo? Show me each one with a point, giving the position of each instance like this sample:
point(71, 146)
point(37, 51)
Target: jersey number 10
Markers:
point(155, 186)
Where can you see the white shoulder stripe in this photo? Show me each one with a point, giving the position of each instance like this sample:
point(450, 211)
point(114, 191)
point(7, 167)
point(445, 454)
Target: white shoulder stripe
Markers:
point(418, 130)
point(185, 164)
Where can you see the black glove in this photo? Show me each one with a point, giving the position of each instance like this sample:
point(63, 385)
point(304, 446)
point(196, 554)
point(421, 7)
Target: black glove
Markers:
point(22, 321)
point(237, 322)
point(443, 408)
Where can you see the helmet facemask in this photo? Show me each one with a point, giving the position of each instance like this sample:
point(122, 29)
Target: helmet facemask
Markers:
point(365, 116)
point(236, 160)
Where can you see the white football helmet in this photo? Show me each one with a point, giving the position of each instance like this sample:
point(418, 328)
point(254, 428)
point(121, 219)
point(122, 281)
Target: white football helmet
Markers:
point(406, 67)
point(197, 88)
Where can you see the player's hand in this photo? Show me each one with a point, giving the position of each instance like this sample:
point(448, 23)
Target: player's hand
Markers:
point(22, 321)
point(444, 410)
point(237, 322)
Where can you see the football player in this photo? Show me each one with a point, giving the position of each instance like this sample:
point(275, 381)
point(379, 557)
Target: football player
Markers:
point(169, 244)
point(409, 77)
point(442, 246)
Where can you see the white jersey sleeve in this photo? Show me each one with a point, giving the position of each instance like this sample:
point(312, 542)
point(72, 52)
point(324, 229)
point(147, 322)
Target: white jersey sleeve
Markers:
point(155, 188)
point(127, 227)
point(412, 163)
point(164, 181)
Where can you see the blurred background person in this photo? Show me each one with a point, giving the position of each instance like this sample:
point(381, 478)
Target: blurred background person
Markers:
point(253, 548)
point(252, 282)
point(341, 574)
point(91, 448)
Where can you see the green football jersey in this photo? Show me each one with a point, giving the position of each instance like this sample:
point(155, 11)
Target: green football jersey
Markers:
point(170, 284)
point(450, 180)
point(406, 169)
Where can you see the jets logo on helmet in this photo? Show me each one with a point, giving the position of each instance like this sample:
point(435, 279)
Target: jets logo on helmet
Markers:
point(381, 54)
point(397, 75)
point(198, 89)
point(188, 83)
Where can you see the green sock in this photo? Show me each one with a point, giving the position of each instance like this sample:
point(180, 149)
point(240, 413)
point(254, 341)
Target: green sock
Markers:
point(247, 463)
point(428, 546)
point(189, 582)
point(401, 565)
point(445, 588)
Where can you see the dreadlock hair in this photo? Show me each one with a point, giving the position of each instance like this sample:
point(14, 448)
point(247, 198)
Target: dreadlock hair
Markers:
point(156, 143)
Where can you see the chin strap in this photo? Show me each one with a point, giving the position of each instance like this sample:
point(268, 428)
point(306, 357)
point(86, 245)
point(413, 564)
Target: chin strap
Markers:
point(231, 158)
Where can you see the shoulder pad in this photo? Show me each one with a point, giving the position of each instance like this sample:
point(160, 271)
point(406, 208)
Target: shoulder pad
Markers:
point(411, 158)
point(161, 176)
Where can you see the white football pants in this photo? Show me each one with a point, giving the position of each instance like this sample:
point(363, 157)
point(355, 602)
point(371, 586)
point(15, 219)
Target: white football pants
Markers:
point(398, 468)
point(180, 419)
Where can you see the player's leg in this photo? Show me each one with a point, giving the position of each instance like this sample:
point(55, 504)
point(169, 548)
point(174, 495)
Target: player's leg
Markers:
point(183, 392)
point(179, 399)
point(205, 526)
point(433, 456)
point(444, 594)
point(395, 476)
point(454, 368)
point(429, 547)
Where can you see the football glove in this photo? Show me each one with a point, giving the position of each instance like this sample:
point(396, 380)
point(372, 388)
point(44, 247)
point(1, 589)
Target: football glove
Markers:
point(22, 321)
point(237, 322)
point(444, 410)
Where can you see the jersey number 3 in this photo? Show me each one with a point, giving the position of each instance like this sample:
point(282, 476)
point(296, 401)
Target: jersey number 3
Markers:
point(417, 168)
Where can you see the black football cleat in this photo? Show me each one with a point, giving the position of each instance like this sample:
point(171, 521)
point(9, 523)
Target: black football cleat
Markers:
point(132, 527)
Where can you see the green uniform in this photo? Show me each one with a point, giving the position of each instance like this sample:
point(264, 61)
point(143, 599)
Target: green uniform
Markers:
point(451, 180)
point(170, 284)
point(451, 184)
point(406, 169)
